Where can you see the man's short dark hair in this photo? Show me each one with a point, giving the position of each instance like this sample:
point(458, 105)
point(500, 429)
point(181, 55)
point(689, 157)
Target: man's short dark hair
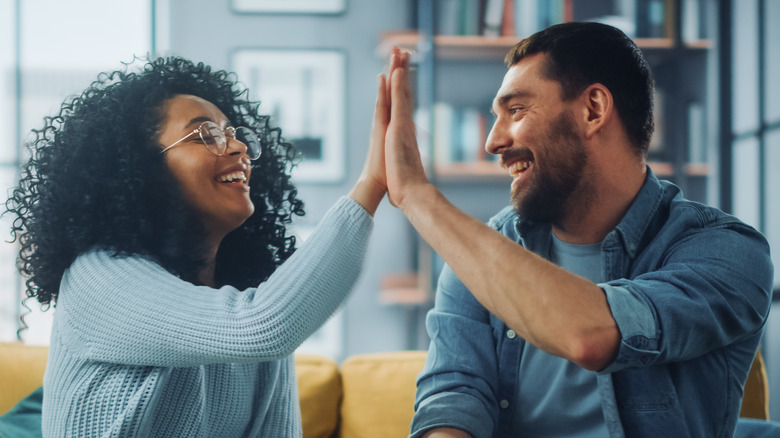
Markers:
point(581, 54)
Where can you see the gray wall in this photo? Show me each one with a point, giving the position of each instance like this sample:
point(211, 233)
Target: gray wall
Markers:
point(369, 326)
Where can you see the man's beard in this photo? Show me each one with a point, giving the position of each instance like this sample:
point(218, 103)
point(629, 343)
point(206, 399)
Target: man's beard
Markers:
point(564, 158)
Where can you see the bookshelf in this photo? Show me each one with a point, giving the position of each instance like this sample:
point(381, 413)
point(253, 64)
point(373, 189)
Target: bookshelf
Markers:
point(675, 43)
point(477, 47)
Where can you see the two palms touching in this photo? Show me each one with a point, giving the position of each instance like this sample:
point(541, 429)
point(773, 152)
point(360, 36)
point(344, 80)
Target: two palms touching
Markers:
point(393, 158)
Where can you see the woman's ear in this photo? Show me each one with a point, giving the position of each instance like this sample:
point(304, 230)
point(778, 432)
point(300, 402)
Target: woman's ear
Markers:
point(598, 107)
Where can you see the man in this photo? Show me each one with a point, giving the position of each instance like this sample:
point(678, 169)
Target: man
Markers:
point(600, 303)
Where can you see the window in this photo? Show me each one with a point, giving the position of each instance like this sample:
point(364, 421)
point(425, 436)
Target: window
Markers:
point(50, 49)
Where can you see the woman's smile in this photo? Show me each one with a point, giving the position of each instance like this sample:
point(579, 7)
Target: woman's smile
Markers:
point(216, 186)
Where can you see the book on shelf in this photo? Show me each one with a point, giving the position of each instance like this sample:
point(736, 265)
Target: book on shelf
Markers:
point(471, 142)
point(526, 18)
point(521, 18)
point(459, 133)
point(694, 15)
point(651, 18)
point(508, 18)
point(494, 15)
point(470, 18)
point(551, 12)
point(530, 16)
point(619, 13)
point(422, 124)
point(655, 149)
point(447, 17)
point(443, 138)
point(458, 17)
point(697, 144)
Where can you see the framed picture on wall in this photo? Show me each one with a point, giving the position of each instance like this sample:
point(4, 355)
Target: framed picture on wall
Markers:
point(290, 6)
point(303, 92)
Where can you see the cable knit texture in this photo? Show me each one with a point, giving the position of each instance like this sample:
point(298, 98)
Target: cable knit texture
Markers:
point(137, 352)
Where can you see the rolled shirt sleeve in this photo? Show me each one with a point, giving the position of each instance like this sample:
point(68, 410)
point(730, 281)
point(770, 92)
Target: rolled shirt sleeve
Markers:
point(713, 289)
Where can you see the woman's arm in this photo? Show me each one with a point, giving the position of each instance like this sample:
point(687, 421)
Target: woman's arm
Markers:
point(129, 310)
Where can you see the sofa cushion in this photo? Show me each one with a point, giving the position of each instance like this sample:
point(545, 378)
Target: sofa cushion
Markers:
point(755, 428)
point(319, 391)
point(379, 393)
point(24, 419)
point(755, 403)
point(22, 372)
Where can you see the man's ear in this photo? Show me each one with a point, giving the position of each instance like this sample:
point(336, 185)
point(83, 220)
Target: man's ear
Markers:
point(598, 108)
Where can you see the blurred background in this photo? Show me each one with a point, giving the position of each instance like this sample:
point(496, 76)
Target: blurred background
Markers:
point(313, 65)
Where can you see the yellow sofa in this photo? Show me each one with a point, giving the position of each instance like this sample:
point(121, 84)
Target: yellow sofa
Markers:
point(369, 395)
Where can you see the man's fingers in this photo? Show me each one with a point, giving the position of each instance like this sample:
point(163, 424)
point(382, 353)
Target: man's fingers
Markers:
point(399, 59)
point(400, 94)
point(395, 59)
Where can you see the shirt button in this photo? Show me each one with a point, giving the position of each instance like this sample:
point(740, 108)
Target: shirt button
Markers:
point(504, 404)
point(511, 334)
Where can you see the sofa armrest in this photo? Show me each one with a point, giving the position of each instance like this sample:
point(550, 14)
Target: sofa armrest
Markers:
point(755, 401)
point(319, 392)
point(379, 391)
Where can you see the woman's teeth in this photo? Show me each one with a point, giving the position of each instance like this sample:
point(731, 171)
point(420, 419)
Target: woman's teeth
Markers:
point(236, 176)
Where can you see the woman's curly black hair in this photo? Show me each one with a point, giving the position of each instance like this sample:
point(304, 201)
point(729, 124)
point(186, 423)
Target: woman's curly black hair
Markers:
point(96, 179)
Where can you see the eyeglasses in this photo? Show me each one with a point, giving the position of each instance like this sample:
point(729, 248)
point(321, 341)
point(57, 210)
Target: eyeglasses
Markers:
point(215, 139)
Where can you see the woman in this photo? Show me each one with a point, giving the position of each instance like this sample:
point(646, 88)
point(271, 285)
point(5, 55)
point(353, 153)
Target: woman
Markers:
point(153, 213)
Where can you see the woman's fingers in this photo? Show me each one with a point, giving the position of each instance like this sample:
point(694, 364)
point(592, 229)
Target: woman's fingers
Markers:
point(375, 161)
point(382, 109)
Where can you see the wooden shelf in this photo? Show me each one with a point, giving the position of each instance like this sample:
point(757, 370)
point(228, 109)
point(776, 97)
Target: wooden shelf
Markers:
point(698, 44)
point(697, 169)
point(452, 46)
point(481, 47)
point(661, 169)
point(491, 171)
point(402, 289)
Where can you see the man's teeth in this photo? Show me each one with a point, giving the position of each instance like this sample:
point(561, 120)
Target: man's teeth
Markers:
point(519, 167)
point(233, 177)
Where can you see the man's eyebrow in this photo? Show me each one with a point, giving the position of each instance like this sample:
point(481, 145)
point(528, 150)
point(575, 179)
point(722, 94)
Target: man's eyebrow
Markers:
point(512, 94)
point(502, 100)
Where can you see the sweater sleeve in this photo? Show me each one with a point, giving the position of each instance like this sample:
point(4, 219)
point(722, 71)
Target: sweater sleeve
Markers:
point(129, 310)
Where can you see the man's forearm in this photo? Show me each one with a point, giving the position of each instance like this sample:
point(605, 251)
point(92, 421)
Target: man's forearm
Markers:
point(555, 310)
point(559, 312)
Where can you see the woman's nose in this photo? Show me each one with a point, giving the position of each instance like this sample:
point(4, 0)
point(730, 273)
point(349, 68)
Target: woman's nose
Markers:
point(235, 146)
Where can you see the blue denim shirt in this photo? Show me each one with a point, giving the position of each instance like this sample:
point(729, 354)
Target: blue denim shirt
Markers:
point(689, 287)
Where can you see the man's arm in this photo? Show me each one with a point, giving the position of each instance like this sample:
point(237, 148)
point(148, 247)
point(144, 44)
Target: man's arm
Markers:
point(557, 311)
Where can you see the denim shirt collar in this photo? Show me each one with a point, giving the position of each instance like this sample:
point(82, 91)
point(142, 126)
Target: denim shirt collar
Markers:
point(637, 221)
point(629, 232)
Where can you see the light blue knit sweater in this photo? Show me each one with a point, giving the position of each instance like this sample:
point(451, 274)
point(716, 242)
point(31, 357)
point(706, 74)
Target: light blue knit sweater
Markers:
point(137, 352)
